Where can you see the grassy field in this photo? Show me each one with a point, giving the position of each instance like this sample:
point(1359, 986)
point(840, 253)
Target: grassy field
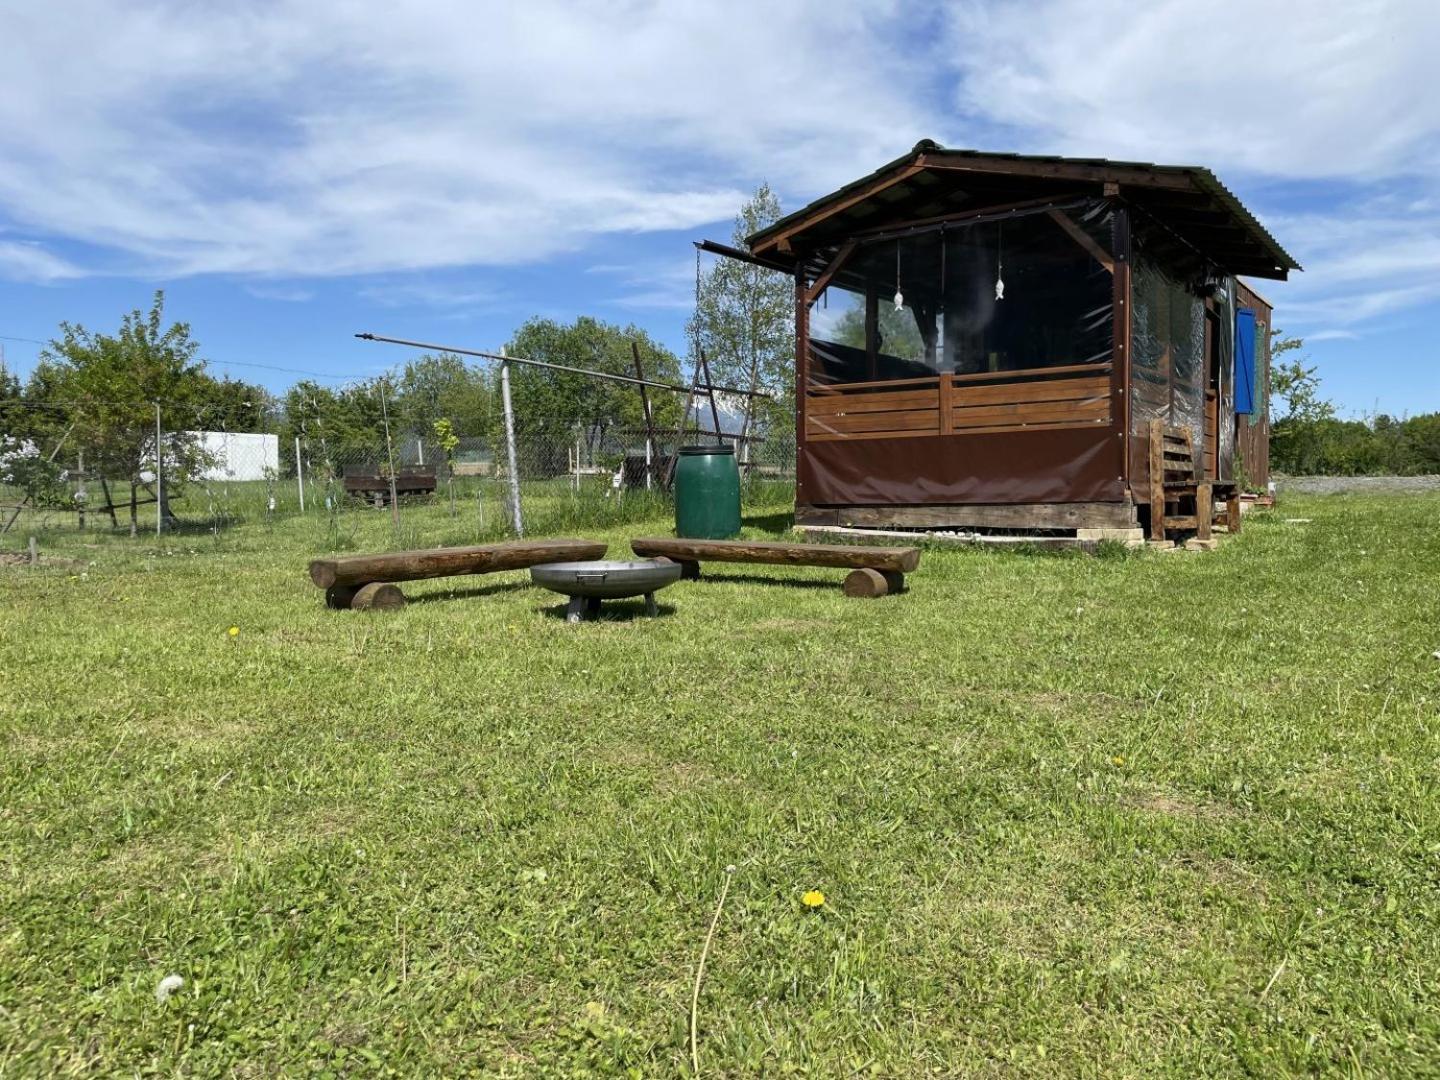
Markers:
point(1115, 815)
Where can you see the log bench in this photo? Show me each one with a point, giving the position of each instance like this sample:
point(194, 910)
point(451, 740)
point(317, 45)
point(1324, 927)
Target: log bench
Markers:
point(874, 571)
point(366, 581)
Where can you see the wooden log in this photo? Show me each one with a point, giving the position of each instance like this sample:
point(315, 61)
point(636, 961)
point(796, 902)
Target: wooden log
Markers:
point(378, 596)
point(900, 559)
point(447, 562)
point(869, 583)
point(338, 597)
point(689, 569)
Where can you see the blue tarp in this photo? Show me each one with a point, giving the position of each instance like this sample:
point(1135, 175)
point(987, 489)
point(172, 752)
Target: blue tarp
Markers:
point(1245, 361)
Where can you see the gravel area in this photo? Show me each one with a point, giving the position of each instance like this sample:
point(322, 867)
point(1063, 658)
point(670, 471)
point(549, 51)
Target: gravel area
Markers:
point(1340, 485)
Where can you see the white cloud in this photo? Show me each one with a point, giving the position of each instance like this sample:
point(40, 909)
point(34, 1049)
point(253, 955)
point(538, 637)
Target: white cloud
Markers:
point(21, 261)
point(1270, 87)
point(405, 292)
point(288, 294)
point(1366, 259)
point(653, 284)
point(299, 137)
point(1295, 105)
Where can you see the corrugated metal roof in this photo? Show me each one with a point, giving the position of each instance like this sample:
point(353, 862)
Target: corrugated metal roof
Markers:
point(1201, 181)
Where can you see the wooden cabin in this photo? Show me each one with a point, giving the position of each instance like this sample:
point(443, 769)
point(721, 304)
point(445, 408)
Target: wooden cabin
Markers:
point(995, 341)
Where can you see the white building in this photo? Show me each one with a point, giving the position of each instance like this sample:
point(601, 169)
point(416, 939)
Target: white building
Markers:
point(238, 455)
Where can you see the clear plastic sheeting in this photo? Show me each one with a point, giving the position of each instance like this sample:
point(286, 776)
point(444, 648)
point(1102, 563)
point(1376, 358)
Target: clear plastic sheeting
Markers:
point(1225, 382)
point(1016, 293)
point(1167, 363)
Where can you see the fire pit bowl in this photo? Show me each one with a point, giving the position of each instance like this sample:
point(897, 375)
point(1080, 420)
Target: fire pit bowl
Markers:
point(588, 583)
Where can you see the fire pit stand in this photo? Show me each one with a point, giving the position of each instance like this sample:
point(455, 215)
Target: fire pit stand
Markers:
point(588, 583)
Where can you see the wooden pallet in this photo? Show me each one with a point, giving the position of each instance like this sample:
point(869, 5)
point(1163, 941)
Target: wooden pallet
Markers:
point(1181, 499)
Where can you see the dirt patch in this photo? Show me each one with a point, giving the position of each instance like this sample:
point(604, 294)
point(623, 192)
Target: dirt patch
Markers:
point(22, 558)
point(1226, 875)
point(791, 626)
point(1173, 805)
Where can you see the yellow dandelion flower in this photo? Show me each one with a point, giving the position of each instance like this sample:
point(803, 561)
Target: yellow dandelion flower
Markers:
point(1118, 759)
point(813, 899)
point(234, 631)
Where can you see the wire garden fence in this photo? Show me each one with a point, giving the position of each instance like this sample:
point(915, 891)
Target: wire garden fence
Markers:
point(566, 477)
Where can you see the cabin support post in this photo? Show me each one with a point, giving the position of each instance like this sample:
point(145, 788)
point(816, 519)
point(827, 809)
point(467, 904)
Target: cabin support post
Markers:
point(802, 376)
point(1120, 385)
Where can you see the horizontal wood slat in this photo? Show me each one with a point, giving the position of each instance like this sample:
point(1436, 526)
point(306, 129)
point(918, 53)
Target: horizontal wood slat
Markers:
point(1031, 373)
point(1055, 390)
point(841, 436)
point(864, 411)
point(900, 420)
point(857, 403)
point(845, 388)
point(1095, 410)
point(957, 433)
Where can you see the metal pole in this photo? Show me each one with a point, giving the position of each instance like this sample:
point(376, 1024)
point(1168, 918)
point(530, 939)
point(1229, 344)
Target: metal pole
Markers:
point(390, 456)
point(553, 367)
point(649, 417)
point(299, 474)
point(714, 409)
point(510, 446)
point(159, 477)
point(84, 488)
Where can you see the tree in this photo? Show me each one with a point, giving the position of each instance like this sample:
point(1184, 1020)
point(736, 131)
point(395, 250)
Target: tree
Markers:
point(899, 336)
point(1296, 385)
point(550, 405)
point(336, 424)
point(432, 388)
point(110, 385)
point(228, 404)
point(1302, 425)
point(745, 319)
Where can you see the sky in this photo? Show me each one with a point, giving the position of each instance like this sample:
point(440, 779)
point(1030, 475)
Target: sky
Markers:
point(291, 172)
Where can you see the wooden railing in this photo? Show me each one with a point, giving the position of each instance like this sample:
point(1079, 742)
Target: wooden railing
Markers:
point(1040, 399)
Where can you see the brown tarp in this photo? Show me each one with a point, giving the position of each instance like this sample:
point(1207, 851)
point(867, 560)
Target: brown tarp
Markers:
point(1004, 467)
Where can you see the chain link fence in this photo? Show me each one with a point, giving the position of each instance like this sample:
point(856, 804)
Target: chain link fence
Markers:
point(569, 477)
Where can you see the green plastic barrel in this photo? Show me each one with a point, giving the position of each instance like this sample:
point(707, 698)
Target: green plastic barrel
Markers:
point(707, 493)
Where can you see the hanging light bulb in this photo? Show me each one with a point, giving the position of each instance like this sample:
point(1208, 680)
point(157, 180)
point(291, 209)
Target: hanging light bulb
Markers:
point(1000, 262)
point(899, 296)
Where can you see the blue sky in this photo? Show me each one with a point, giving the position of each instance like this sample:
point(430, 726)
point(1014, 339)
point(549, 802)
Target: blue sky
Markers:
point(293, 171)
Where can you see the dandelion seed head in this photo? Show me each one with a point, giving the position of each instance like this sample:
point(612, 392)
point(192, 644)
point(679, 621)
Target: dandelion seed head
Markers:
point(168, 985)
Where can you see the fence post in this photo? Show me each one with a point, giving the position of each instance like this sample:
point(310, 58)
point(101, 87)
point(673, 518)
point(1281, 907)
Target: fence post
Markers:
point(510, 446)
point(159, 477)
point(390, 456)
point(84, 493)
point(299, 474)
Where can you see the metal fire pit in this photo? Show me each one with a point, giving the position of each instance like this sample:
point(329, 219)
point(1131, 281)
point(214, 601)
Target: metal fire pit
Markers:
point(588, 583)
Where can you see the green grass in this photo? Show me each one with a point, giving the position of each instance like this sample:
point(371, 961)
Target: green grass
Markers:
point(1126, 815)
